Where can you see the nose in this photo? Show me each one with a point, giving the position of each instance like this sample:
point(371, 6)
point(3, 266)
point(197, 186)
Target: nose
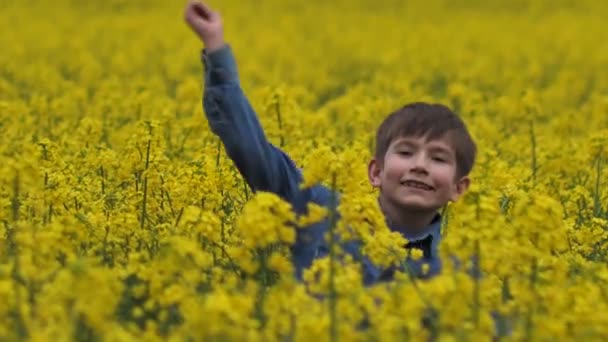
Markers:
point(419, 164)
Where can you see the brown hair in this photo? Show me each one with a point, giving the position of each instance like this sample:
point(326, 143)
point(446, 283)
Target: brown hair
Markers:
point(433, 121)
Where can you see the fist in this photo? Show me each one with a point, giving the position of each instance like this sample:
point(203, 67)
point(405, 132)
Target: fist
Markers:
point(206, 23)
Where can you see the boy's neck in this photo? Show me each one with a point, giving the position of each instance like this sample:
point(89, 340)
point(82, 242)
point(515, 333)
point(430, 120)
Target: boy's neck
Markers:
point(405, 221)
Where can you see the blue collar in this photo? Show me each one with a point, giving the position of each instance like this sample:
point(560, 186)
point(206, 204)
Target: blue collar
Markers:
point(433, 229)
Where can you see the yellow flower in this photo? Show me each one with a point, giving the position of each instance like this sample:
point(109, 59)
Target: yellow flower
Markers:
point(267, 219)
point(124, 218)
point(280, 264)
point(416, 254)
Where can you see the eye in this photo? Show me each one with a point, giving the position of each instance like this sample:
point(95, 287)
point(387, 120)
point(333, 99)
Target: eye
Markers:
point(404, 153)
point(439, 159)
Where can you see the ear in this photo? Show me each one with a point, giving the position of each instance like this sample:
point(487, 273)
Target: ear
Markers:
point(374, 170)
point(460, 188)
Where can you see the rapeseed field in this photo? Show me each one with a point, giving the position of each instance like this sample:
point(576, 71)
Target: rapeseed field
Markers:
point(122, 217)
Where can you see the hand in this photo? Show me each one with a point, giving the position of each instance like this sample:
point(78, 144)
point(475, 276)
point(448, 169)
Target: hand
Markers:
point(206, 23)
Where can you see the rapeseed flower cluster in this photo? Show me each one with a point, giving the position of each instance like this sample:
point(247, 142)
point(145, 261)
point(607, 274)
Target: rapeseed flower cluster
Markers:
point(122, 217)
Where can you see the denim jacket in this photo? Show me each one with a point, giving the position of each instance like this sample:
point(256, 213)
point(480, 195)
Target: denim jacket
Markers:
point(267, 168)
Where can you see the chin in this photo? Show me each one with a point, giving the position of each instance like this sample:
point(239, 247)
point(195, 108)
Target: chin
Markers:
point(415, 204)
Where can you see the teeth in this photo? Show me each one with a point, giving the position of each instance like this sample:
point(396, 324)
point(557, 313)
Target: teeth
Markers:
point(417, 185)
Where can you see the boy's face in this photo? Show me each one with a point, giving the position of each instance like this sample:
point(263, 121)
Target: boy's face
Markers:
point(417, 174)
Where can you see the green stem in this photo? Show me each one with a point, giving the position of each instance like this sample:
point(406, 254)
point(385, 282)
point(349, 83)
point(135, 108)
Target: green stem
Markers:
point(444, 221)
point(501, 320)
point(15, 204)
point(597, 205)
point(50, 214)
point(262, 283)
point(533, 146)
point(246, 189)
point(16, 272)
point(217, 163)
point(218, 152)
point(103, 178)
point(277, 108)
point(21, 328)
point(145, 190)
point(533, 281)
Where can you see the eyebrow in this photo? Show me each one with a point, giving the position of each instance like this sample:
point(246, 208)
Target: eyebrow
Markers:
point(434, 149)
point(440, 149)
point(404, 142)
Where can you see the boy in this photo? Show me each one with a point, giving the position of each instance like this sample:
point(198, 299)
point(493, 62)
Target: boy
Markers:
point(423, 156)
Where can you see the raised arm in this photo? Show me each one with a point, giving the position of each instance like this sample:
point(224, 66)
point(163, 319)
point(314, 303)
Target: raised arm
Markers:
point(230, 115)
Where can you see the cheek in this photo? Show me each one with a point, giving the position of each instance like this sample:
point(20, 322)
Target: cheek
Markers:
point(444, 176)
point(394, 168)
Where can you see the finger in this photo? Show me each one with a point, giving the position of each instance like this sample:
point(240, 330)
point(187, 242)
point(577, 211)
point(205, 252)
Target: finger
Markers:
point(197, 23)
point(191, 17)
point(203, 10)
point(215, 16)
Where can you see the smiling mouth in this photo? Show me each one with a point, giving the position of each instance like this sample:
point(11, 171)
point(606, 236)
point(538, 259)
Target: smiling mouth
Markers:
point(417, 185)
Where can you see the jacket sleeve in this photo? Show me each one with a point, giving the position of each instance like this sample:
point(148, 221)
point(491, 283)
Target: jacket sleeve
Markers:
point(231, 117)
